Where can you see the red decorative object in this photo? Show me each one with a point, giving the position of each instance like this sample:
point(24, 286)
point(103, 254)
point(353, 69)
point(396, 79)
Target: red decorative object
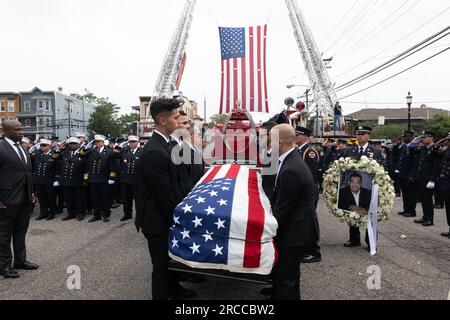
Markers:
point(300, 106)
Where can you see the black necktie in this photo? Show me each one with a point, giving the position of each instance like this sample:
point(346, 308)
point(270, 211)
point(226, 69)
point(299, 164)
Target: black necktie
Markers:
point(21, 156)
point(361, 152)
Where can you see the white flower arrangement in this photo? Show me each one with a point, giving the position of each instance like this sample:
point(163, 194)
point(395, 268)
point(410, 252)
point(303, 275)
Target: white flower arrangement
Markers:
point(380, 177)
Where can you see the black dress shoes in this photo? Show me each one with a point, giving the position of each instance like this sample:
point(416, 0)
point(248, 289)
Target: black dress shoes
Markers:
point(41, 218)
point(428, 223)
point(106, 219)
point(126, 218)
point(68, 218)
point(50, 217)
point(180, 292)
point(419, 221)
point(311, 258)
point(9, 273)
point(81, 218)
point(94, 219)
point(409, 215)
point(351, 244)
point(445, 234)
point(26, 266)
point(401, 213)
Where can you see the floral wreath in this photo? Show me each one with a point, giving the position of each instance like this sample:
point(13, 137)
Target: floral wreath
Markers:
point(380, 177)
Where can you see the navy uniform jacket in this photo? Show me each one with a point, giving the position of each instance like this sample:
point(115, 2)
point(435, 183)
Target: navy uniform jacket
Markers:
point(44, 168)
point(408, 161)
point(370, 153)
point(394, 157)
point(428, 167)
point(101, 167)
point(444, 172)
point(72, 168)
point(129, 166)
point(312, 159)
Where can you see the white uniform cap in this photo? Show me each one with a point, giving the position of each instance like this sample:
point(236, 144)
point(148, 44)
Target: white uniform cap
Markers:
point(133, 139)
point(73, 140)
point(26, 140)
point(45, 141)
point(80, 135)
point(99, 137)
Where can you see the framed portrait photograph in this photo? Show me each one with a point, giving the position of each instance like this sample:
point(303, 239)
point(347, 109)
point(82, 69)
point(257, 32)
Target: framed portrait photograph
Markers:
point(355, 192)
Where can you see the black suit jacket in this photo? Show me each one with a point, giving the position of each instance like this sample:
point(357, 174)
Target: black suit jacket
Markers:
point(15, 177)
point(346, 199)
point(160, 187)
point(196, 170)
point(294, 204)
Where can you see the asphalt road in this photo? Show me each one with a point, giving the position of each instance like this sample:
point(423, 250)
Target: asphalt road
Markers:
point(115, 265)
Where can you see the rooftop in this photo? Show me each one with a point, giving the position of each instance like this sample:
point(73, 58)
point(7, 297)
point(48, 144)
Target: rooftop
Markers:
point(397, 114)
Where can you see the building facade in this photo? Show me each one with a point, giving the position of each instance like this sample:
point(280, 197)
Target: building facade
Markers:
point(9, 107)
point(53, 113)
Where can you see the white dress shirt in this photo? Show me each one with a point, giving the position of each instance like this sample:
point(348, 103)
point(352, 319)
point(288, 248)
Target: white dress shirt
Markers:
point(356, 196)
point(13, 145)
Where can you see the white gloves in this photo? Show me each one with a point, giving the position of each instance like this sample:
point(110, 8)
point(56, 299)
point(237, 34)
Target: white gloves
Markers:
point(111, 182)
point(56, 184)
point(430, 185)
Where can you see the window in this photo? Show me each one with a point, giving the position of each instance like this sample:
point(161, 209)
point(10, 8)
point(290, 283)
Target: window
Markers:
point(47, 122)
point(41, 122)
point(27, 106)
point(40, 105)
point(27, 123)
point(2, 106)
point(47, 105)
point(11, 106)
point(78, 110)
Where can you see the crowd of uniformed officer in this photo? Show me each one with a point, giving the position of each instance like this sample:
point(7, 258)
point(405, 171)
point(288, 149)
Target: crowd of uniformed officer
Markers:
point(85, 176)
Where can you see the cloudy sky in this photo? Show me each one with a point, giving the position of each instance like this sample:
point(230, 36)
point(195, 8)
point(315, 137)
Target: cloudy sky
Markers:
point(115, 48)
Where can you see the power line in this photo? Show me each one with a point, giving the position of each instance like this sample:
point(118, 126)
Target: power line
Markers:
point(416, 48)
point(405, 37)
point(359, 44)
point(398, 73)
point(333, 30)
point(418, 102)
point(350, 26)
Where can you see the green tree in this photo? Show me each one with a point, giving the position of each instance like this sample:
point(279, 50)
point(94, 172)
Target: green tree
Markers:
point(218, 118)
point(128, 122)
point(440, 125)
point(390, 131)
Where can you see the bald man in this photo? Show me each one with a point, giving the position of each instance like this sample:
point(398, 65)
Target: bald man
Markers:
point(15, 200)
point(294, 208)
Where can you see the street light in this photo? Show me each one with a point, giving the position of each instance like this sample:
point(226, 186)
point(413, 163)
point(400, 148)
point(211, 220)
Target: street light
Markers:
point(409, 99)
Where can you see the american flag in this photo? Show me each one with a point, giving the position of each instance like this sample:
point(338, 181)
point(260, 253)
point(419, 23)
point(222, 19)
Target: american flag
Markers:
point(225, 223)
point(244, 81)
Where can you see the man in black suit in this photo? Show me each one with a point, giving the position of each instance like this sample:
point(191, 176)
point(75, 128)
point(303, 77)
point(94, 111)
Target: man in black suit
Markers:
point(294, 209)
point(15, 200)
point(161, 189)
point(362, 149)
point(354, 197)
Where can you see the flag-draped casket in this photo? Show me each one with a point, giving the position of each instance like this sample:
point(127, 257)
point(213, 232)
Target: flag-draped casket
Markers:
point(225, 223)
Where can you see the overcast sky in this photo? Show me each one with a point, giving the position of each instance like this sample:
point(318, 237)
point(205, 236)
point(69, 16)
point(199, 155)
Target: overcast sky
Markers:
point(115, 48)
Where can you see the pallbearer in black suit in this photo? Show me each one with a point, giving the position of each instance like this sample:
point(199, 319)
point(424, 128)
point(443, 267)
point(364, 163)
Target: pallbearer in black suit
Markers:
point(294, 208)
point(312, 159)
point(427, 174)
point(406, 168)
point(70, 177)
point(160, 191)
point(44, 178)
point(101, 173)
point(197, 167)
point(15, 200)
point(362, 149)
point(129, 175)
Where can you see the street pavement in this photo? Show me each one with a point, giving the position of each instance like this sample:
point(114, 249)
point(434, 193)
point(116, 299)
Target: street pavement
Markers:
point(115, 265)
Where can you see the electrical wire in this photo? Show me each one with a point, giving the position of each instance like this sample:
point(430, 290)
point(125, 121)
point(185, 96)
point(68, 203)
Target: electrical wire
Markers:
point(369, 37)
point(418, 47)
point(397, 42)
point(398, 73)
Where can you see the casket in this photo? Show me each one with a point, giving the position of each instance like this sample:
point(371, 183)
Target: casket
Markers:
point(225, 223)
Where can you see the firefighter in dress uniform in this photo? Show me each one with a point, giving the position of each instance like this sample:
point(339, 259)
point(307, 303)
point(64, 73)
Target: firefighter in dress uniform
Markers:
point(44, 172)
point(101, 173)
point(71, 173)
point(129, 176)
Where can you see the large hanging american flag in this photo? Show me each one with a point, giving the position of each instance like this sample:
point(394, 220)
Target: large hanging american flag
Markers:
point(225, 223)
point(244, 81)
